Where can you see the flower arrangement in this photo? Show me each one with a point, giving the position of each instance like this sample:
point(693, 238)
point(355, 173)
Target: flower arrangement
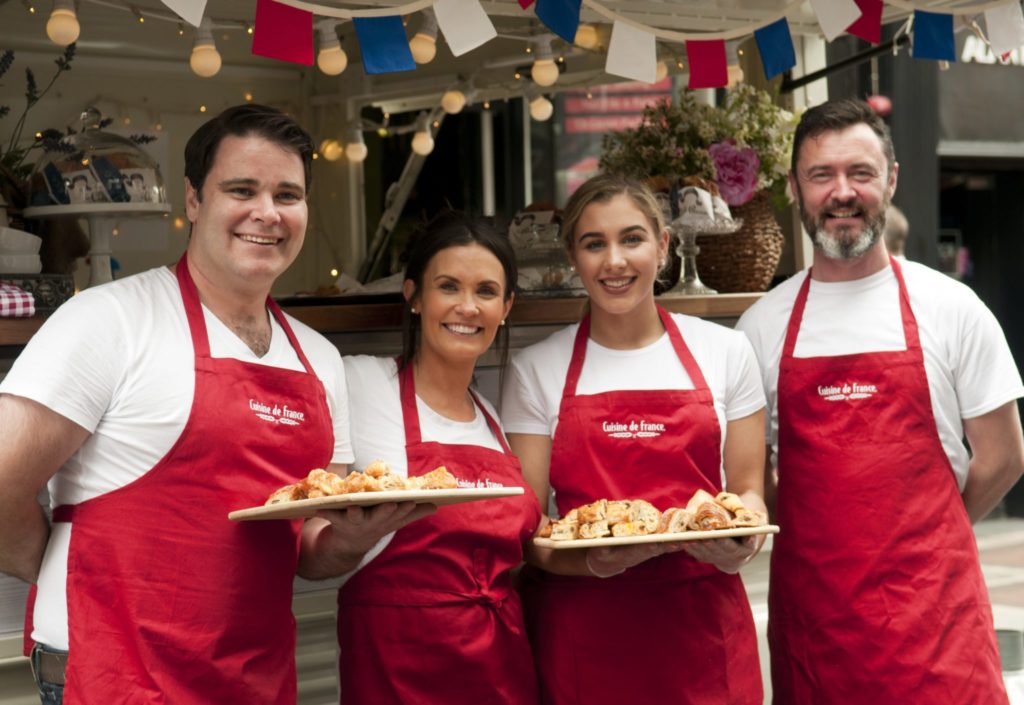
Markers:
point(742, 146)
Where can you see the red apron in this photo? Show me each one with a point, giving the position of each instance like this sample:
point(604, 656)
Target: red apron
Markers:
point(672, 629)
point(434, 617)
point(876, 592)
point(168, 600)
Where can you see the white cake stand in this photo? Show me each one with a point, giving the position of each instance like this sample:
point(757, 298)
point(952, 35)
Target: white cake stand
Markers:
point(100, 217)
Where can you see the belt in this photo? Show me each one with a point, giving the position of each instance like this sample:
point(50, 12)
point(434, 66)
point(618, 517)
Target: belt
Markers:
point(51, 666)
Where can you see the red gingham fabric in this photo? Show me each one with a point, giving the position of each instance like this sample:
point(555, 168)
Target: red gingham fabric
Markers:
point(15, 302)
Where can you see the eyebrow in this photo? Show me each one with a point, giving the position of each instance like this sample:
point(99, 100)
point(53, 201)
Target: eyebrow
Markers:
point(624, 231)
point(229, 183)
point(453, 278)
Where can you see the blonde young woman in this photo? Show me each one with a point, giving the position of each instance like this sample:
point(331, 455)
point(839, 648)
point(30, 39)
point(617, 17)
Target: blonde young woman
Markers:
point(657, 622)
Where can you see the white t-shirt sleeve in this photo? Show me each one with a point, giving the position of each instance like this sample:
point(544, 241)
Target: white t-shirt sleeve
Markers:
point(522, 409)
point(745, 393)
point(985, 375)
point(74, 364)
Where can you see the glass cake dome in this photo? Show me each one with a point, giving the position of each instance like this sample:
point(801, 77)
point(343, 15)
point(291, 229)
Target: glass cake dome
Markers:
point(94, 168)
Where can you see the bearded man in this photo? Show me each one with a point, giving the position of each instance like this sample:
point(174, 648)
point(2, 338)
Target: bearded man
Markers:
point(876, 370)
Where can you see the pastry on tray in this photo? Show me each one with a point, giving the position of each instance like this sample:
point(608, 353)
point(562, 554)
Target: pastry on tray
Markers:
point(375, 477)
point(637, 517)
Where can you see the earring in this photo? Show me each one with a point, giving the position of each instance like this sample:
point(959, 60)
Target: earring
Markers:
point(572, 267)
point(502, 322)
point(412, 311)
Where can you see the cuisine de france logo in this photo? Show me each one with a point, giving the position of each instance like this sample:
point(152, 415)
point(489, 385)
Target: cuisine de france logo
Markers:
point(632, 429)
point(274, 413)
point(850, 391)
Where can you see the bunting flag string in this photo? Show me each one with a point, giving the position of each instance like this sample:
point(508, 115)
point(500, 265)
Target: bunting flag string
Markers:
point(466, 26)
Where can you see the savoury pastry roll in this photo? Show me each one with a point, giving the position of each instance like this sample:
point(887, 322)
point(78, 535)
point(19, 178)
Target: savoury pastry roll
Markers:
point(288, 493)
point(673, 520)
point(594, 530)
point(563, 530)
point(618, 511)
point(645, 513)
point(630, 528)
point(593, 512)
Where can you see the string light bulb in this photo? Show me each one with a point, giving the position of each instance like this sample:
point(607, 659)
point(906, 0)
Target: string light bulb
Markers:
point(423, 45)
point(544, 70)
point(62, 27)
point(331, 58)
point(453, 101)
point(205, 59)
point(355, 150)
point(541, 109)
point(331, 150)
point(660, 71)
point(422, 140)
point(586, 36)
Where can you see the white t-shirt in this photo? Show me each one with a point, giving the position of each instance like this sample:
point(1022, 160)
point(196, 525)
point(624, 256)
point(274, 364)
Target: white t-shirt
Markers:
point(967, 361)
point(118, 360)
point(535, 379)
point(378, 431)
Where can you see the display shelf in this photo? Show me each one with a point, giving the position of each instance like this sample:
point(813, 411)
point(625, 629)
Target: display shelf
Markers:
point(355, 317)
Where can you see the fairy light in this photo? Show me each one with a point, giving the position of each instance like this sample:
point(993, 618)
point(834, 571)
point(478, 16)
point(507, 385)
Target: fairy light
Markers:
point(202, 108)
point(181, 30)
point(487, 105)
point(334, 272)
point(248, 97)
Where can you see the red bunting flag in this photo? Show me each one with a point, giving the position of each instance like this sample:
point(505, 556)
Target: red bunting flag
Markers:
point(283, 32)
point(869, 25)
point(525, 3)
point(707, 63)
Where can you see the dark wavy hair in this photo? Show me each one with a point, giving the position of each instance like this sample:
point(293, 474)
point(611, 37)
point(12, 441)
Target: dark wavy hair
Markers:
point(840, 114)
point(241, 121)
point(453, 229)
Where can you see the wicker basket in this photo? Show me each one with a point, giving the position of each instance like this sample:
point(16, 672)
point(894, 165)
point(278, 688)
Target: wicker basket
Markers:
point(747, 259)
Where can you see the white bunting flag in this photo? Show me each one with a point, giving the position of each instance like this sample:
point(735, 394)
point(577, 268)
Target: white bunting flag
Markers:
point(834, 16)
point(632, 53)
point(1005, 28)
point(189, 10)
point(464, 24)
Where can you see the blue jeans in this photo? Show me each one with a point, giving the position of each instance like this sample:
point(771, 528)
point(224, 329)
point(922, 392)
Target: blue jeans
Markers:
point(49, 693)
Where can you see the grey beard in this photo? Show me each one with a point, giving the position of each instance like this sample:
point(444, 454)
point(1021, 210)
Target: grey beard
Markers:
point(842, 248)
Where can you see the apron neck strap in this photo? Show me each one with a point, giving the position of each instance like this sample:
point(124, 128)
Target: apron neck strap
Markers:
point(910, 332)
point(579, 353)
point(197, 322)
point(193, 308)
point(411, 414)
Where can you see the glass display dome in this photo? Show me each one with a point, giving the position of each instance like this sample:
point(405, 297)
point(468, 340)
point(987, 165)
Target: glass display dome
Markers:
point(96, 170)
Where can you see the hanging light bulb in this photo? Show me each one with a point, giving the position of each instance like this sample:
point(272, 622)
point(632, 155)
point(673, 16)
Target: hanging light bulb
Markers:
point(331, 150)
point(422, 141)
point(660, 71)
point(62, 28)
point(541, 109)
point(355, 150)
point(544, 71)
point(586, 36)
point(423, 45)
point(331, 58)
point(453, 101)
point(205, 59)
point(735, 75)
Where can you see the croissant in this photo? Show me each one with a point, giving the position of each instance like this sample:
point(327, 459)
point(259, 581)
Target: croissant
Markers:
point(706, 514)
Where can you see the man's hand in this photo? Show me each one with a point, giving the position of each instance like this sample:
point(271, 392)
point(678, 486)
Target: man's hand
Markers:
point(336, 540)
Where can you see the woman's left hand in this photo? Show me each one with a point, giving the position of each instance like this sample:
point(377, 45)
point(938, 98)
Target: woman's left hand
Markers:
point(728, 555)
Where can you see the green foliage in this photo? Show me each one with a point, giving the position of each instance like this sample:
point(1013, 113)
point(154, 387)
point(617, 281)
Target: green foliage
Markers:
point(672, 140)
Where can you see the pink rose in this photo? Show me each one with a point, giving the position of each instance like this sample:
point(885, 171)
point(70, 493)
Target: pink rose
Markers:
point(736, 171)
